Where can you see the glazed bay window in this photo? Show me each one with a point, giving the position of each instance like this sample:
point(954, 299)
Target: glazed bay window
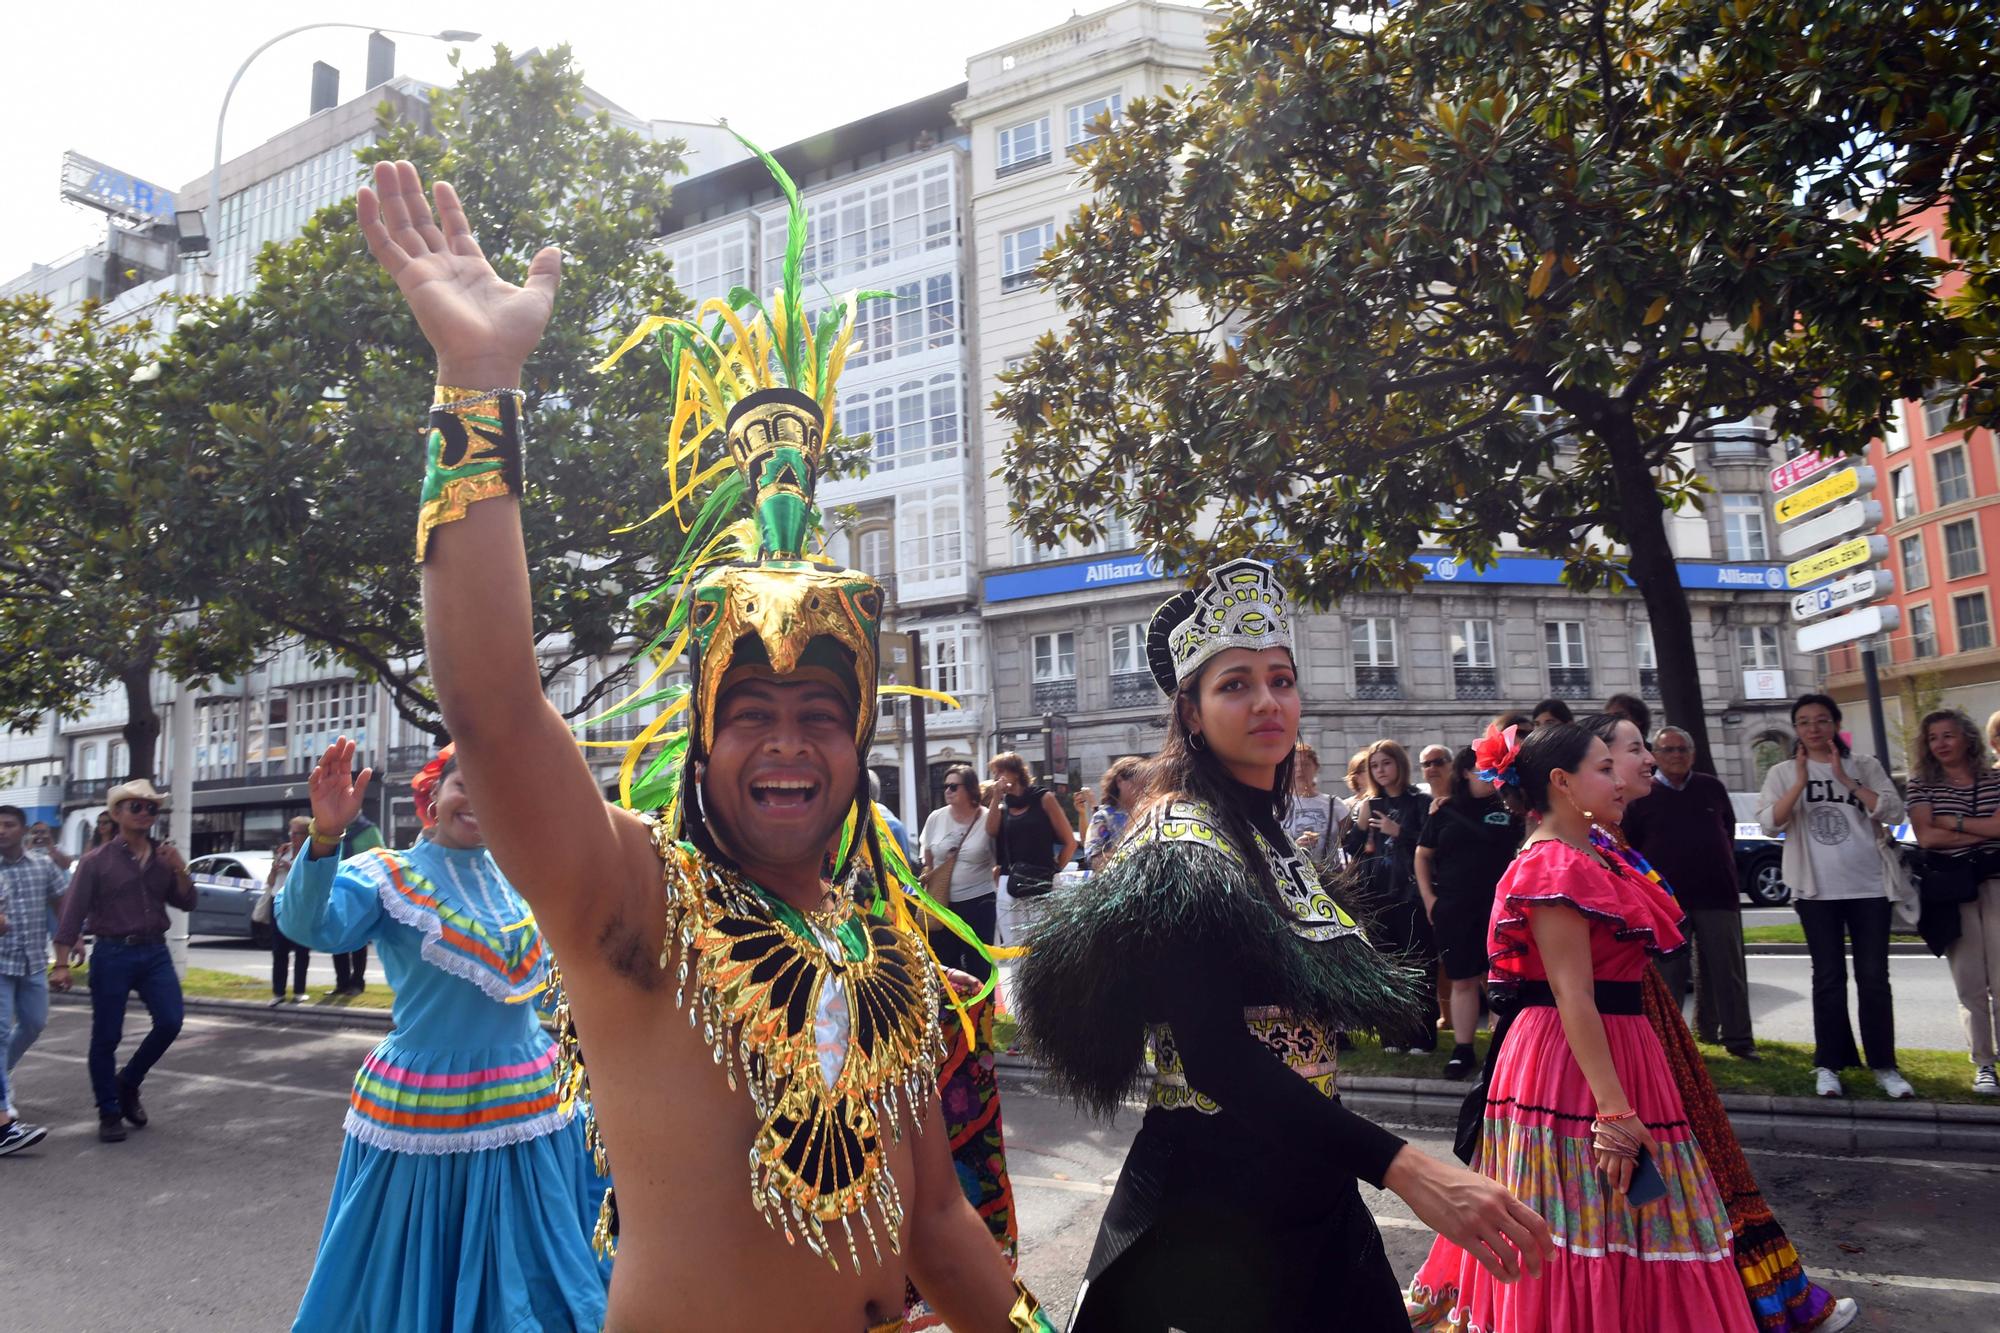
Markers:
point(1054, 664)
point(912, 422)
point(1962, 558)
point(215, 739)
point(1923, 632)
point(1021, 251)
point(1373, 642)
point(322, 714)
point(1131, 680)
point(867, 225)
point(1743, 533)
point(1023, 147)
point(933, 535)
point(1973, 622)
point(1569, 664)
point(1474, 673)
point(923, 316)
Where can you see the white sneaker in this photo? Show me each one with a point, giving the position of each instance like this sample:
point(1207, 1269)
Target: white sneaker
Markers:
point(1392, 1050)
point(1826, 1083)
point(1985, 1082)
point(1894, 1084)
point(1844, 1311)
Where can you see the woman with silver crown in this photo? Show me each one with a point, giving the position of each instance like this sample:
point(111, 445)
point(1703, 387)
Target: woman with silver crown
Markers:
point(1208, 938)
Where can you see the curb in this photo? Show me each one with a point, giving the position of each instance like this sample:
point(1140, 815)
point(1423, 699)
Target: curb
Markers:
point(251, 1011)
point(1781, 949)
point(1817, 1122)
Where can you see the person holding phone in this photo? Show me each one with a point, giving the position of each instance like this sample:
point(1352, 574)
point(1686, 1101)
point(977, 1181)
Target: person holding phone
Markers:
point(120, 894)
point(1582, 1118)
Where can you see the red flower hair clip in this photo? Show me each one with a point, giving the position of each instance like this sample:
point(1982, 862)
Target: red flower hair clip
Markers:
point(425, 785)
point(1495, 754)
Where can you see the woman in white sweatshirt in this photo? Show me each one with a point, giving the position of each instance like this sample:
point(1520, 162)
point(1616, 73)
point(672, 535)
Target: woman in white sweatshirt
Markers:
point(1846, 879)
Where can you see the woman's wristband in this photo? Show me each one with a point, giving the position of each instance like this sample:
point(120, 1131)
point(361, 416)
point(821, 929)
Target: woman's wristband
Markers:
point(472, 452)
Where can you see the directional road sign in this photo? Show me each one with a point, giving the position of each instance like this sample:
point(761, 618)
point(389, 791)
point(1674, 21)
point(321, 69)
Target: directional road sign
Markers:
point(1834, 486)
point(1836, 560)
point(1795, 470)
point(1822, 528)
point(1843, 629)
point(1844, 592)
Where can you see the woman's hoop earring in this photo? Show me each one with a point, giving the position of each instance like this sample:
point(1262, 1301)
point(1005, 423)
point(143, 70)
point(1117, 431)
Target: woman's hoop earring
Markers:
point(1195, 741)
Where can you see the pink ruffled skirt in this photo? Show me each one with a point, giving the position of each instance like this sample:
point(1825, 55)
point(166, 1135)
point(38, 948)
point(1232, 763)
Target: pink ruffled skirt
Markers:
point(1664, 1268)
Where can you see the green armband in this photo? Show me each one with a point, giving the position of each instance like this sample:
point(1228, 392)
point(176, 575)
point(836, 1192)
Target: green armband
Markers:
point(472, 452)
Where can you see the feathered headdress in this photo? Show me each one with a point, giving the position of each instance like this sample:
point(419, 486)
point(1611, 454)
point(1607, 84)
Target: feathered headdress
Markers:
point(750, 589)
point(1495, 754)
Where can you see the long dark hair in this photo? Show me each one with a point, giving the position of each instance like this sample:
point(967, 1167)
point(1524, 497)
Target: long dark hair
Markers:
point(1560, 745)
point(1184, 771)
point(1459, 793)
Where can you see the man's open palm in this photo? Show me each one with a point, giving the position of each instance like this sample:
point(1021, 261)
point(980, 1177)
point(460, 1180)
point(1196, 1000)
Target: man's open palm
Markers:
point(477, 323)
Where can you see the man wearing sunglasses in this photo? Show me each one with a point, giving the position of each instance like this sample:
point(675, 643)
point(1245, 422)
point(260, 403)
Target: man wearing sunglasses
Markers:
point(120, 894)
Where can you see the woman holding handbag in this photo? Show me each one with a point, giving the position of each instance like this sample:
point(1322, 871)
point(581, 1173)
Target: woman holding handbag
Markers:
point(958, 867)
point(1953, 801)
point(1032, 839)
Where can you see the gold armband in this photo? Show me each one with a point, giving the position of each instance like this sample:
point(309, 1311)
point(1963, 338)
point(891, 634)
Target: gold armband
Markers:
point(1025, 1315)
point(472, 452)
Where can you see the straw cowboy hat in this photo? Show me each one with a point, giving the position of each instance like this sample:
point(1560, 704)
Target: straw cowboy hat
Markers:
point(137, 789)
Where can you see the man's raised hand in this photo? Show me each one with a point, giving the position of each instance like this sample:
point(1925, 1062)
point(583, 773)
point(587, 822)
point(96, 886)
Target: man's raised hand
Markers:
point(481, 327)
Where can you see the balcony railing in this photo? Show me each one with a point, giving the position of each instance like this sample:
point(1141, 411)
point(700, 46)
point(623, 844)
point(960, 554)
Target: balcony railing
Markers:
point(1054, 696)
point(1569, 682)
point(1649, 682)
point(1134, 690)
point(1021, 164)
point(1471, 682)
point(1377, 682)
point(86, 789)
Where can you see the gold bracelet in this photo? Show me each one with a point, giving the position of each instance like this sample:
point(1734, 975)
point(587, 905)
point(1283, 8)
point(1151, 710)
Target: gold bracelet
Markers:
point(1025, 1315)
point(314, 833)
point(472, 452)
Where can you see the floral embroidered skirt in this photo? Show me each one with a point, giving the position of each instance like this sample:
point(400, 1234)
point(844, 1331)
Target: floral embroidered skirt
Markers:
point(1665, 1268)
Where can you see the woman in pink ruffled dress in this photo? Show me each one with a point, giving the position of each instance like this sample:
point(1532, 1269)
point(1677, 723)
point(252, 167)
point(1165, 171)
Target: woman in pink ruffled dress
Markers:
point(1580, 1103)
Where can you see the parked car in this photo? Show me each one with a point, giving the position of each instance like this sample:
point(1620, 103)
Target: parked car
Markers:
point(226, 886)
point(1760, 857)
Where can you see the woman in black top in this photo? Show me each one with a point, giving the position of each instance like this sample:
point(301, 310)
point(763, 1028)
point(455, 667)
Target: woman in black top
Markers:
point(1208, 937)
point(1384, 840)
point(1466, 846)
point(1032, 839)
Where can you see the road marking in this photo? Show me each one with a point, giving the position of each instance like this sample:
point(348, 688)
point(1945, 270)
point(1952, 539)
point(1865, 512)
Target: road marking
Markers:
point(1393, 1223)
point(1954, 1167)
point(254, 1085)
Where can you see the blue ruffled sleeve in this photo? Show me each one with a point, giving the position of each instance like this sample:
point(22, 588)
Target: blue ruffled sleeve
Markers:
point(325, 905)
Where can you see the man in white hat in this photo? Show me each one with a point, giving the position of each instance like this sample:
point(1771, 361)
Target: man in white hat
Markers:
point(120, 894)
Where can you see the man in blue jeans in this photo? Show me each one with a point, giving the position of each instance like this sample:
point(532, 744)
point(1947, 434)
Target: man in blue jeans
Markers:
point(30, 886)
point(120, 893)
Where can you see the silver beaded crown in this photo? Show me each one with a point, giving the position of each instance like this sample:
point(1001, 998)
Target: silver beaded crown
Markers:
point(1241, 605)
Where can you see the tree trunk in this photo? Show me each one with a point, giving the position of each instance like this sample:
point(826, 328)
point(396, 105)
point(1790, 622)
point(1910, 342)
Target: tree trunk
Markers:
point(142, 724)
point(1643, 520)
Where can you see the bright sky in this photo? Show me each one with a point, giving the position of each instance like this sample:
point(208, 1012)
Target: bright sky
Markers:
point(137, 86)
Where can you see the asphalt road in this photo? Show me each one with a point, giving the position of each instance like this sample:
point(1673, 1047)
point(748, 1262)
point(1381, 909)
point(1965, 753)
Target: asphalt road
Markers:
point(208, 1219)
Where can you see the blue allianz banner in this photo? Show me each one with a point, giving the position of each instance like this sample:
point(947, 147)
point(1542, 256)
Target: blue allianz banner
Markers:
point(1534, 571)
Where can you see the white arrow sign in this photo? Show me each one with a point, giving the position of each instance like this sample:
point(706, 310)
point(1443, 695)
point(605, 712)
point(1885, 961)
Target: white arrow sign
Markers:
point(1850, 591)
point(1850, 517)
point(1843, 629)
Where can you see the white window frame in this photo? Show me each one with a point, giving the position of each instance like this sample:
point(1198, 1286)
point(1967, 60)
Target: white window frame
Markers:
point(1978, 554)
point(1017, 265)
point(712, 264)
point(1958, 622)
point(1902, 493)
point(1127, 645)
point(867, 224)
point(1467, 649)
point(1558, 644)
point(1745, 535)
point(931, 527)
point(1053, 656)
point(1645, 653)
point(1916, 574)
point(1079, 115)
point(1369, 638)
point(909, 422)
point(875, 550)
point(924, 315)
point(1941, 408)
point(1962, 479)
point(1923, 638)
point(1895, 435)
point(1015, 152)
point(1758, 649)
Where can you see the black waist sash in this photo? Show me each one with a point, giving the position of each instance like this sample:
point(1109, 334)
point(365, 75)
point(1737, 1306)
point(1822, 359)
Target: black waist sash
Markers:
point(1507, 1002)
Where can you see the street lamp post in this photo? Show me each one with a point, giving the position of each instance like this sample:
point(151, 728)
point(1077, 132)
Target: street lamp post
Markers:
point(214, 267)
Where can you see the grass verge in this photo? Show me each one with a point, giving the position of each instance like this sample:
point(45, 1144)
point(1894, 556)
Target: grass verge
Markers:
point(203, 983)
point(1793, 933)
point(1785, 1069)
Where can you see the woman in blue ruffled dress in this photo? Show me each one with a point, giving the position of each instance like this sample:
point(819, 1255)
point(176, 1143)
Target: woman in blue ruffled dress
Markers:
point(465, 1197)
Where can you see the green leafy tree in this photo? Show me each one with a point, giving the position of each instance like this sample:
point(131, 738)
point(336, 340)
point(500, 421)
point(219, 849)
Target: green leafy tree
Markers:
point(1473, 269)
point(315, 385)
point(110, 537)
